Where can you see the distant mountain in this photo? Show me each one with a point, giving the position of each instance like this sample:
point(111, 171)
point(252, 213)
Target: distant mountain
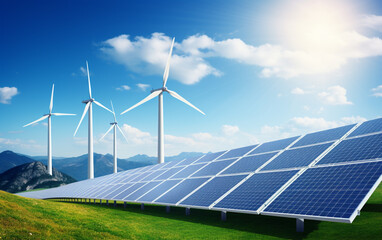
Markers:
point(9, 159)
point(31, 176)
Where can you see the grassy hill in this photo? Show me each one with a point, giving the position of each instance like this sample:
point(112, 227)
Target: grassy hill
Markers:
point(22, 218)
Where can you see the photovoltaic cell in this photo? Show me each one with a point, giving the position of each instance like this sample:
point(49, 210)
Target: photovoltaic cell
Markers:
point(238, 152)
point(128, 191)
point(118, 190)
point(298, 157)
point(334, 191)
point(368, 127)
point(362, 148)
point(249, 163)
point(168, 173)
point(180, 191)
point(273, 146)
point(323, 136)
point(214, 189)
point(110, 189)
point(209, 157)
point(141, 191)
point(154, 175)
point(158, 190)
point(188, 161)
point(187, 171)
point(213, 168)
point(171, 164)
point(255, 191)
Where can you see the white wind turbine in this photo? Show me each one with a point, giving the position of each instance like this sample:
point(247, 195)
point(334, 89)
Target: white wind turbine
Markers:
point(159, 92)
point(114, 125)
point(48, 115)
point(88, 107)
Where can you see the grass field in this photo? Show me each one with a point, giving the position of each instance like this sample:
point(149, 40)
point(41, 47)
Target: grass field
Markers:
point(22, 218)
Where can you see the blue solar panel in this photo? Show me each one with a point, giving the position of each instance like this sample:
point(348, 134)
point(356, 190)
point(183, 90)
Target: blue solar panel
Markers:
point(323, 136)
point(128, 191)
point(153, 175)
point(188, 161)
point(255, 191)
point(130, 177)
point(214, 189)
point(249, 163)
point(141, 176)
point(368, 127)
point(141, 191)
point(298, 157)
point(171, 164)
point(362, 148)
point(169, 173)
point(213, 168)
point(273, 146)
point(159, 190)
point(238, 152)
point(209, 157)
point(110, 189)
point(118, 190)
point(180, 191)
point(187, 171)
point(334, 191)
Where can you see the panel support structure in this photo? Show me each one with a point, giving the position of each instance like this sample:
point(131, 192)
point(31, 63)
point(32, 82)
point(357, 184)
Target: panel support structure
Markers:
point(124, 204)
point(224, 216)
point(299, 225)
point(167, 209)
point(188, 211)
point(142, 206)
point(115, 203)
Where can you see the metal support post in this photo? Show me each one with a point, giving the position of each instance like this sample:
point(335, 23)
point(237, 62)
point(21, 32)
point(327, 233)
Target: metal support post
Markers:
point(299, 225)
point(142, 206)
point(224, 216)
point(167, 209)
point(188, 211)
point(115, 203)
point(124, 204)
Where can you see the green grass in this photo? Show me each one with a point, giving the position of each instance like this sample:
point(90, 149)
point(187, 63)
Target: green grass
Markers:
point(22, 218)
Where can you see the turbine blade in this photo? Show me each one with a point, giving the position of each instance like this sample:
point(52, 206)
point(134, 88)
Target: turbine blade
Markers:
point(90, 88)
point(38, 120)
point(83, 115)
point(167, 69)
point(63, 114)
point(149, 97)
point(122, 133)
point(51, 100)
point(177, 96)
point(102, 106)
point(112, 108)
point(107, 132)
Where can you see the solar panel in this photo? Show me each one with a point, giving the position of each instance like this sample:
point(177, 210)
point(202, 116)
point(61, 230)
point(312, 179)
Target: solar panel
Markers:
point(238, 152)
point(139, 192)
point(187, 171)
point(278, 178)
point(180, 191)
point(158, 190)
point(214, 189)
point(362, 148)
point(213, 168)
point(210, 157)
point(332, 192)
point(368, 127)
point(274, 145)
point(323, 136)
point(249, 163)
point(255, 191)
point(297, 157)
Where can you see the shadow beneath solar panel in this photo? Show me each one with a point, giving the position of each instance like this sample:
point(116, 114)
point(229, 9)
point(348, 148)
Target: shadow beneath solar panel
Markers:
point(374, 207)
point(265, 225)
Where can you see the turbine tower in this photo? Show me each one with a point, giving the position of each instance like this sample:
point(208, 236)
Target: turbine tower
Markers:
point(114, 126)
point(48, 115)
point(88, 107)
point(159, 92)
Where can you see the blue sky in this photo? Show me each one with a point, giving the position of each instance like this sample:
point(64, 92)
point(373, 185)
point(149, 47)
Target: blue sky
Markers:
point(259, 70)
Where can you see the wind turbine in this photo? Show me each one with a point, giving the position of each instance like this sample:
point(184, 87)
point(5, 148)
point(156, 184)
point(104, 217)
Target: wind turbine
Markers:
point(88, 107)
point(48, 115)
point(114, 125)
point(159, 92)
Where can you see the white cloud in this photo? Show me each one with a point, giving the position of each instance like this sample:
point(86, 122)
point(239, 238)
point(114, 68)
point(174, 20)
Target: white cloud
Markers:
point(335, 95)
point(143, 86)
point(6, 94)
point(372, 21)
point(123, 87)
point(83, 71)
point(230, 130)
point(298, 91)
point(377, 92)
point(315, 124)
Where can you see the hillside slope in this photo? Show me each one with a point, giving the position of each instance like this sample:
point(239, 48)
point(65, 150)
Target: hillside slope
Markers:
point(31, 176)
point(23, 218)
point(9, 159)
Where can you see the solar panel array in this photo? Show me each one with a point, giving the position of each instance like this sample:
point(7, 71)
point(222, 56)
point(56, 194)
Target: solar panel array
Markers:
point(327, 175)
